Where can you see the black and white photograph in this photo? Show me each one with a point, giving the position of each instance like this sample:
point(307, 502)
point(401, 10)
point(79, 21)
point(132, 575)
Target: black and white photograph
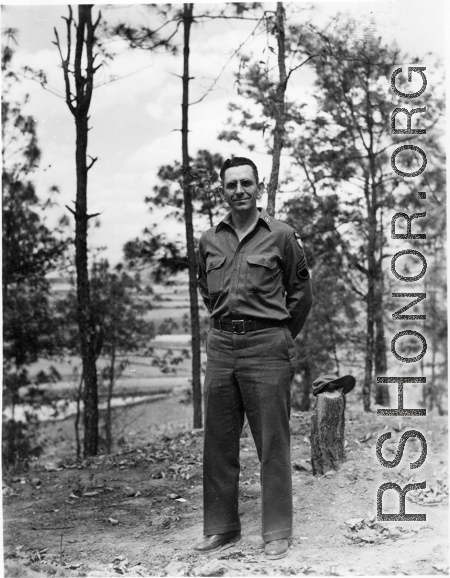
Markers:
point(224, 289)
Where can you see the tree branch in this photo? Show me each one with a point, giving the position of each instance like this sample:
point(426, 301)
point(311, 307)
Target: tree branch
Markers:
point(300, 65)
point(226, 64)
point(93, 161)
point(66, 61)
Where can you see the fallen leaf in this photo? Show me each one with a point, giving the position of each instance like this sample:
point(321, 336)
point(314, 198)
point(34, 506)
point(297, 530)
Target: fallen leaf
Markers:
point(35, 556)
point(354, 522)
point(113, 521)
point(369, 535)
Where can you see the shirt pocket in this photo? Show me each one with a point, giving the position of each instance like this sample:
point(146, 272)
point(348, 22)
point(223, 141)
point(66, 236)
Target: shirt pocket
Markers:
point(214, 274)
point(262, 271)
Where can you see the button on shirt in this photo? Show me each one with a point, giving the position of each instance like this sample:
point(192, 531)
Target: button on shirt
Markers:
point(263, 276)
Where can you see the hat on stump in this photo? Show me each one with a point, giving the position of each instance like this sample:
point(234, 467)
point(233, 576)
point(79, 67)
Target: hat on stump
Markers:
point(347, 382)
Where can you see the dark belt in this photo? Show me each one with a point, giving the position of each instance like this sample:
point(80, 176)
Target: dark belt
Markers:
point(241, 326)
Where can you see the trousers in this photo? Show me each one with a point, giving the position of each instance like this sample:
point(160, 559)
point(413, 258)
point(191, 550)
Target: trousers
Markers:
point(248, 374)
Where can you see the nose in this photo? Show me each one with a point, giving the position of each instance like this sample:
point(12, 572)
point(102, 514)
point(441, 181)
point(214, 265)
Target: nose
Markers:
point(239, 188)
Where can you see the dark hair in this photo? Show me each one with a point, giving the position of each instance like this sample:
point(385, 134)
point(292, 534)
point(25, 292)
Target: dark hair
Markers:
point(238, 162)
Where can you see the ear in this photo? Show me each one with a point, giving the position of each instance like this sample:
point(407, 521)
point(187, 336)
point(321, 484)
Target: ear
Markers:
point(260, 189)
point(220, 191)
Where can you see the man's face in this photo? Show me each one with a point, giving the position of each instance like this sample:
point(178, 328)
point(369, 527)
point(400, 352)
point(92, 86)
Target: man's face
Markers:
point(240, 190)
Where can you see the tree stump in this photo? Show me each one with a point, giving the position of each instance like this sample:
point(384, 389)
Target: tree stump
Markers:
point(327, 432)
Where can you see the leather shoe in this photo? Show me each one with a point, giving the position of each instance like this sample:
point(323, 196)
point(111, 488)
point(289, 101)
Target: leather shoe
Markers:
point(214, 542)
point(276, 549)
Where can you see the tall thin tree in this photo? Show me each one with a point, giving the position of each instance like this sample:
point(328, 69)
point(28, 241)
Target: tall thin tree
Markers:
point(187, 190)
point(78, 102)
point(279, 109)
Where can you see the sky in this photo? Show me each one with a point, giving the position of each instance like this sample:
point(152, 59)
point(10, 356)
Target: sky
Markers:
point(136, 119)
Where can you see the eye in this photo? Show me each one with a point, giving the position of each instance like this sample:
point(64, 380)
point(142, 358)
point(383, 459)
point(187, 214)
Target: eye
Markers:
point(231, 186)
point(247, 183)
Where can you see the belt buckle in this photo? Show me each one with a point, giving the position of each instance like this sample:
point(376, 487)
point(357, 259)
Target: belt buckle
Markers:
point(235, 324)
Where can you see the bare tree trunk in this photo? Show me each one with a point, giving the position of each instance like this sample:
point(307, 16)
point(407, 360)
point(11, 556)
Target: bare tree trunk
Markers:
point(210, 215)
point(12, 454)
point(108, 416)
point(280, 113)
point(336, 357)
point(434, 392)
point(77, 417)
point(192, 260)
point(370, 309)
point(305, 396)
point(382, 389)
point(371, 194)
point(79, 102)
point(85, 321)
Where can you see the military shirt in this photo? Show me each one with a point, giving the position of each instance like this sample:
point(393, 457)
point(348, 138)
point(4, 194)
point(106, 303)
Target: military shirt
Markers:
point(263, 276)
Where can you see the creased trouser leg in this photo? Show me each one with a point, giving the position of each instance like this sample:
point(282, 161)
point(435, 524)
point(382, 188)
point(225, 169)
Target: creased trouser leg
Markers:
point(266, 398)
point(224, 416)
point(252, 371)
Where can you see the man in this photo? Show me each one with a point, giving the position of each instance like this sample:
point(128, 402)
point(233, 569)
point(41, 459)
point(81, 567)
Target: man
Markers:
point(255, 283)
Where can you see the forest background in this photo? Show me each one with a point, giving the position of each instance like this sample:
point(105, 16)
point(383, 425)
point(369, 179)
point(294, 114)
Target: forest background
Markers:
point(335, 186)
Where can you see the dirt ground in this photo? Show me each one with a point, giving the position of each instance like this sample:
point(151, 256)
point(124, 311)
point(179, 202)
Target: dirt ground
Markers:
point(139, 511)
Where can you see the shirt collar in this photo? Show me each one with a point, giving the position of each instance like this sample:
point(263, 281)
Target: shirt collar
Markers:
point(263, 218)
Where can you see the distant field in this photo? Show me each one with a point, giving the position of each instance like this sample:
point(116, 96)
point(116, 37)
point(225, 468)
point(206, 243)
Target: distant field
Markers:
point(141, 376)
point(175, 313)
point(166, 302)
point(171, 312)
